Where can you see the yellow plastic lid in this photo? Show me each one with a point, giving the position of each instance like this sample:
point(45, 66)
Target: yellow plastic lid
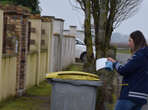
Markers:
point(72, 75)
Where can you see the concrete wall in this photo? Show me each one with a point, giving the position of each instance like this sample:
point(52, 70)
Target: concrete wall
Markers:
point(43, 65)
point(36, 24)
point(68, 50)
point(33, 76)
point(60, 47)
point(68, 47)
point(78, 33)
point(31, 72)
point(1, 39)
point(38, 59)
point(8, 77)
point(57, 53)
point(48, 27)
point(36, 35)
point(56, 46)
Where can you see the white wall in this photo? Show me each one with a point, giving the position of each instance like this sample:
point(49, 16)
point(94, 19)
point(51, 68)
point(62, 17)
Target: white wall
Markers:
point(56, 47)
point(68, 51)
point(1, 39)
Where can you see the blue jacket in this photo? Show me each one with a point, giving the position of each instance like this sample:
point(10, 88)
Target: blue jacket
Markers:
point(135, 77)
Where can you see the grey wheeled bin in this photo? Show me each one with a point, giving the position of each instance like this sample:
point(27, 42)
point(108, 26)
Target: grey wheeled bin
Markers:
point(73, 90)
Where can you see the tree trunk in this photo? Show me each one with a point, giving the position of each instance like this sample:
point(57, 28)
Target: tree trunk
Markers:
point(101, 46)
point(109, 25)
point(89, 65)
point(100, 37)
point(96, 14)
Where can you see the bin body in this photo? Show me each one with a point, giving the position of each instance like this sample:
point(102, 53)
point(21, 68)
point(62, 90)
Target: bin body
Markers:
point(73, 94)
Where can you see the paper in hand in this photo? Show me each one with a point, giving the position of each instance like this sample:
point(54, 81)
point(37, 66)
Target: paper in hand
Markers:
point(104, 63)
point(101, 63)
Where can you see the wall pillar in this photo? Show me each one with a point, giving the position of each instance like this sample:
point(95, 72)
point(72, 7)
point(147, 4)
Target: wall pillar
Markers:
point(36, 37)
point(58, 28)
point(1, 47)
point(47, 25)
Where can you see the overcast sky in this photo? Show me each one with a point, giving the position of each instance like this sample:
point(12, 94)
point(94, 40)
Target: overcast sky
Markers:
point(63, 9)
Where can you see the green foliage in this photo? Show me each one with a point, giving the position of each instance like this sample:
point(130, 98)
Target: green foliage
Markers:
point(6, 2)
point(32, 4)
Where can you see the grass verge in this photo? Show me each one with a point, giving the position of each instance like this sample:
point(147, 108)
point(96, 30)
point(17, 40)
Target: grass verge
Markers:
point(74, 67)
point(124, 51)
point(33, 100)
point(44, 89)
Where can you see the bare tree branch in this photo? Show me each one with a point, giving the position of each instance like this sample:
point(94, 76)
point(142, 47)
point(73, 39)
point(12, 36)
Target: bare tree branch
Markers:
point(125, 9)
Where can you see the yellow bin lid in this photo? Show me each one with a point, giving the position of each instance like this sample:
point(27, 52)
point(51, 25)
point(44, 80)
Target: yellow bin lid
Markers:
point(72, 75)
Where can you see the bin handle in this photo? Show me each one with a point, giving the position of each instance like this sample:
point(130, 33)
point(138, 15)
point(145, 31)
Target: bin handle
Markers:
point(77, 74)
